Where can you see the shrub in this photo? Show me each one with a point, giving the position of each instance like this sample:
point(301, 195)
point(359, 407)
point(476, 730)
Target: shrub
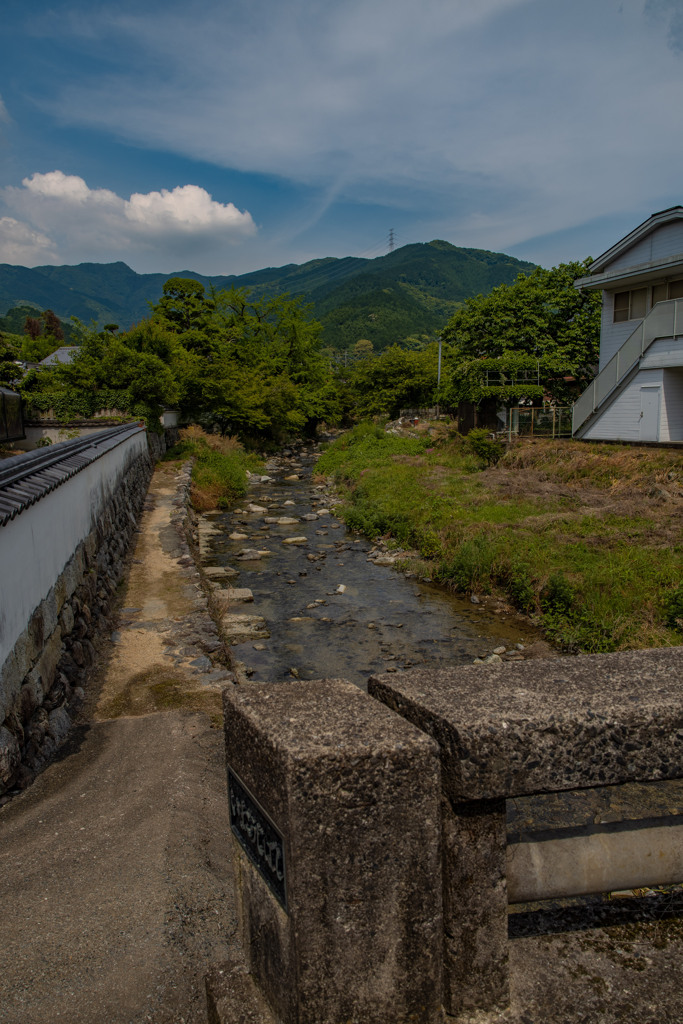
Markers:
point(484, 447)
point(557, 595)
point(518, 584)
point(673, 608)
point(219, 474)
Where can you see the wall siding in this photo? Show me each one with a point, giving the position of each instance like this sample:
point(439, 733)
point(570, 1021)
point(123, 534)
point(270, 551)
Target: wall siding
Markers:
point(612, 336)
point(671, 427)
point(663, 353)
point(664, 241)
point(621, 419)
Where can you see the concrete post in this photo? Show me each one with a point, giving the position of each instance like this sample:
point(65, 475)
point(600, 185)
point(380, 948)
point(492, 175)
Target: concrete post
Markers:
point(475, 948)
point(334, 805)
point(521, 729)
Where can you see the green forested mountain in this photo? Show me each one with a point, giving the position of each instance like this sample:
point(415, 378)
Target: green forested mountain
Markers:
point(410, 292)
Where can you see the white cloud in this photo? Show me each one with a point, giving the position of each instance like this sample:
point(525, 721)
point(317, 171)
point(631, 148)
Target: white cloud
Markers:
point(4, 113)
point(22, 245)
point(99, 225)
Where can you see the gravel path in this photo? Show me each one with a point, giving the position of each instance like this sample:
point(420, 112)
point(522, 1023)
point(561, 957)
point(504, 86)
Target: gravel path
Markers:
point(116, 891)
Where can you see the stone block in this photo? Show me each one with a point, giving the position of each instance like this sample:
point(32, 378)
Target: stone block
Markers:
point(541, 726)
point(232, 595)
point(9, 757)
point(32, 693)
point(59, 724)
point(336, 801)
point(90, 547)
point(66, 620)
point(47, 663)
point(36, 633)
point(59, 591)
point(49, 612)
point(25, 653)
point(238, 628)
point(11, 676)
point(73, 571)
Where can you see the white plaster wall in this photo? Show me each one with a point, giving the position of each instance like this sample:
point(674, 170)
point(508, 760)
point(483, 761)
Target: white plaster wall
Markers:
point(621, 419)
point(36, 545)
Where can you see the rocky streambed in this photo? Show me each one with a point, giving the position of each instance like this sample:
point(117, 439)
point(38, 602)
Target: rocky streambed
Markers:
point(299, 596)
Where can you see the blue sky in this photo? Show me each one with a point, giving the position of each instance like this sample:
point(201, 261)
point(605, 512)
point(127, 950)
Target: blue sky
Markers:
point(227, 136)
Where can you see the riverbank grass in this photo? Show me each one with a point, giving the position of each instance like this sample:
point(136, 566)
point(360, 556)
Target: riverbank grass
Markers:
point(219, 472)
point(583, 538)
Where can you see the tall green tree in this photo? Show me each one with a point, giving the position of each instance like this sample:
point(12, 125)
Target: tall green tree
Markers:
point(397, 379)
point(540, 316)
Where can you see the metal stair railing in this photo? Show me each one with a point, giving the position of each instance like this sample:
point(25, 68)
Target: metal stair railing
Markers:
point(661, 322)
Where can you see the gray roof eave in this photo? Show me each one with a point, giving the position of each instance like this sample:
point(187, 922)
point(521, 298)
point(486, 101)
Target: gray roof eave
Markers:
point(655, 221)
point(640, 271)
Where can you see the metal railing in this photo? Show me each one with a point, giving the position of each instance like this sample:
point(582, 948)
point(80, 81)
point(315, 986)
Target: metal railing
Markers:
point(661, 322)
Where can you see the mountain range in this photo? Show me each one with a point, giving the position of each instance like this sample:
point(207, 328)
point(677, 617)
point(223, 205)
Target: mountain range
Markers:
point(408, 293)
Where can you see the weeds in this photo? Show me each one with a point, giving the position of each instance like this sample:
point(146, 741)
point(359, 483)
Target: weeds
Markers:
point(586, 538)
point(219, 474)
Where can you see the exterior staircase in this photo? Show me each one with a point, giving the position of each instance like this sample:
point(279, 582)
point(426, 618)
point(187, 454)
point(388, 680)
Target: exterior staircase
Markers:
point(662, 321)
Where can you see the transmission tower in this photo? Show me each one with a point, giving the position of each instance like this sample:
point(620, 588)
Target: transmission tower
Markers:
point(391, 239)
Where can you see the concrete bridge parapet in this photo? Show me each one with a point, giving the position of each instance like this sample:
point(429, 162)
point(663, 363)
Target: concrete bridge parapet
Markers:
point(349, 800)
point(581, 727)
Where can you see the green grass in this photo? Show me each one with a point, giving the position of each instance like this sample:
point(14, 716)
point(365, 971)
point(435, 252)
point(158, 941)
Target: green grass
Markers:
point(577, 536)
point(219, 473)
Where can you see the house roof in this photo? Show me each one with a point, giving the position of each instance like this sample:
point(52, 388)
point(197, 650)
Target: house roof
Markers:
point(64, 354)
point(599, 277)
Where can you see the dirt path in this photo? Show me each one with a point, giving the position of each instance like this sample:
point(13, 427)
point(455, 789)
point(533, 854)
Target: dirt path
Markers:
point(115, 884)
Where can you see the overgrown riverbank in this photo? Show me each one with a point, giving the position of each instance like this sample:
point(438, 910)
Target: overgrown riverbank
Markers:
point(586, 539)
point(219, 471)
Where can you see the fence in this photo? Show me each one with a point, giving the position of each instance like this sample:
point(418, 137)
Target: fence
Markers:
point(527, 421)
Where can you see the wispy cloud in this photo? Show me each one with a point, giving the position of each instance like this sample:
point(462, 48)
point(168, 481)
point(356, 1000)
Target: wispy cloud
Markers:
point(670, 13)
point(488, 123)
point(62, 216)
point(500, 120)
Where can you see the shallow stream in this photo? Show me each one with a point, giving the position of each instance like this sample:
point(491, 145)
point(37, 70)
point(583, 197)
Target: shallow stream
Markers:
point(339, 615)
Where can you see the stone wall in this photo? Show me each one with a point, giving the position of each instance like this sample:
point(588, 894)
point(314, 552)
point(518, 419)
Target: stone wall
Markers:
point(42, 679)
point(160, 443)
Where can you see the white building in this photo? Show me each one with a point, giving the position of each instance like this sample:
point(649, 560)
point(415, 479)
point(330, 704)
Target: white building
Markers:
point(638, 393)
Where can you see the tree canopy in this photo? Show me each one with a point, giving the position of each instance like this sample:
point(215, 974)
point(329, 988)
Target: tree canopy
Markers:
point(244, 366)
point(542, 320)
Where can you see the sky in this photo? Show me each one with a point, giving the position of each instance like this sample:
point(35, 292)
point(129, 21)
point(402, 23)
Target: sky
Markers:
point(227, 136)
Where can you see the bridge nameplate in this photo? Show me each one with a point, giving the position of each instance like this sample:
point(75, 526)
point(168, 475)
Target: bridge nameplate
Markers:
point(258, 836)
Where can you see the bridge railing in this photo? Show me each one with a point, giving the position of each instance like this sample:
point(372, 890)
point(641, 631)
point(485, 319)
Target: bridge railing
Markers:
point(586, 730)
point(377, 853)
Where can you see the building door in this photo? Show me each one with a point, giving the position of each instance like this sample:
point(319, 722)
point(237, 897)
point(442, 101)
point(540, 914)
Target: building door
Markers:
point(649, 413)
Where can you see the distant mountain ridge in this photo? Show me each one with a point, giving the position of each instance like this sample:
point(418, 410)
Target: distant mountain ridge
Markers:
point(410, 292)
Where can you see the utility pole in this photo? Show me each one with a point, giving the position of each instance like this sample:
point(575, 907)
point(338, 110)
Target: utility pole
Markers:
point(391, 239)
point(438, 380)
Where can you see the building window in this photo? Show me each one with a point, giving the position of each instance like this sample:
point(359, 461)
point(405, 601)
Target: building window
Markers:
point(667, 290)
point(630, 305)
